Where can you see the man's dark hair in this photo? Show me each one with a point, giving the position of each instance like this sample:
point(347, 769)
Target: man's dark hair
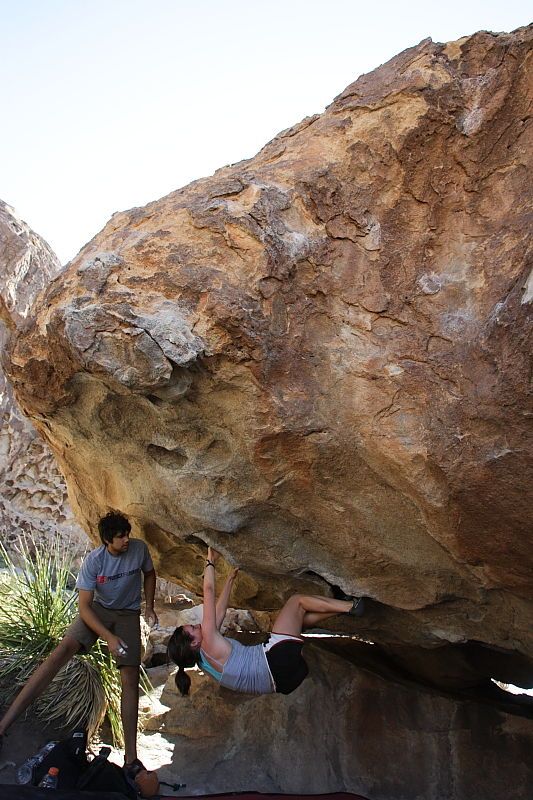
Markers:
point(113, 524)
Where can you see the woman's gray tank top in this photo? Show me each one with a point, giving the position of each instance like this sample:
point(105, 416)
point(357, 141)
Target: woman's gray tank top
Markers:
point(247, 670)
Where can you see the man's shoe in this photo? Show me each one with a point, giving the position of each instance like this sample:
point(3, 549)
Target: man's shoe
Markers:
point(132, 769)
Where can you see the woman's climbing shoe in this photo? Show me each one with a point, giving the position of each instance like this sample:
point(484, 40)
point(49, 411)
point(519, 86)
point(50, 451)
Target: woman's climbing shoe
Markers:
point(358, 603)
point(358, 607)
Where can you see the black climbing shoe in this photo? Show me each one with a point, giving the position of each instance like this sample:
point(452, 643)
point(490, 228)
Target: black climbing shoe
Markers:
point(358, 607)
point(358, 603)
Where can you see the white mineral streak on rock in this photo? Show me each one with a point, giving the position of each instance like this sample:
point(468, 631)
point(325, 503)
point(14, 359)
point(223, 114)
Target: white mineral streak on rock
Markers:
point(430, 284)
point(394, 369)
point(482, 92)
point(528, 289)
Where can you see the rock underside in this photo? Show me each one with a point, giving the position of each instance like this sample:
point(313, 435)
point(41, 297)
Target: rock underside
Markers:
point(317, 361)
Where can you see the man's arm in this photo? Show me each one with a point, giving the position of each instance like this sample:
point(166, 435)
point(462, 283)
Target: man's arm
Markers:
point(85, 599)
point(149, 595)
point(223, 600)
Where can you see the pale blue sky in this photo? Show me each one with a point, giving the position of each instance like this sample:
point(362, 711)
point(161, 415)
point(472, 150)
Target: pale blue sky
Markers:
point(108, 104)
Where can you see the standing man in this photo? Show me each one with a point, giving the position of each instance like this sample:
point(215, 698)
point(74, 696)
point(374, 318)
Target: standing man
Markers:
point(109, 602)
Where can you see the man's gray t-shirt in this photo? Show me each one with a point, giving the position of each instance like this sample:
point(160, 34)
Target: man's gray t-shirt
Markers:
point(116, 580)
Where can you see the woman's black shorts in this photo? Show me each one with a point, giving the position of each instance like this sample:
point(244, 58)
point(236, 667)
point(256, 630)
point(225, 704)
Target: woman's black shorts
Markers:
point(287, 665)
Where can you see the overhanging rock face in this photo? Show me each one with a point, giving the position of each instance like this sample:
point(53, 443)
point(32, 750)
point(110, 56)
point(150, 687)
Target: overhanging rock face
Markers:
point(316, 360)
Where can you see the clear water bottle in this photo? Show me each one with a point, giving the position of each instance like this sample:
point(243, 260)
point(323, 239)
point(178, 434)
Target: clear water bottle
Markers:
point(26, 770)
point(50, 779)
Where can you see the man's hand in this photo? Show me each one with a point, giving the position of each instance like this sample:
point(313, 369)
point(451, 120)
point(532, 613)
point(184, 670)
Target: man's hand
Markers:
point(116, 646)
point(212, 555)
point(234, 573)
point(151, 617)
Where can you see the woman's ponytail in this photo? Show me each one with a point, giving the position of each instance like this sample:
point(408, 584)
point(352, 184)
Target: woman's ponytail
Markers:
point(179, 651)
point(183, 682)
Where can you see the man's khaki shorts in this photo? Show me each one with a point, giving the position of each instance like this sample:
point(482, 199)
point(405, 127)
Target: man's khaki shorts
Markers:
point(123, 623)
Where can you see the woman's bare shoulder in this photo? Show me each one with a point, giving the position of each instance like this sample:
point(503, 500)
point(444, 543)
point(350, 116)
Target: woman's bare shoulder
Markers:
point(216, 646)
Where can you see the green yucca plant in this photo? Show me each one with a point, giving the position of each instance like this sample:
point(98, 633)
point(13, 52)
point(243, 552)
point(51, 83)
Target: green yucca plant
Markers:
point(37, 604)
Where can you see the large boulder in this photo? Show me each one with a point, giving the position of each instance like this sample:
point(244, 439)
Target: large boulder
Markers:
point(316, 360)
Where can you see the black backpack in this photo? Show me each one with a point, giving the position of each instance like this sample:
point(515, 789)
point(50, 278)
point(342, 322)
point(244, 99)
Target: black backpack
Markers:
point(69, 756)
point(76, 772)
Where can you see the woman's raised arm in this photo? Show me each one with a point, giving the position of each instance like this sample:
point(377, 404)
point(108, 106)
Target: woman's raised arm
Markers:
point(213, 643)
point(223, 600)
point(209, 619)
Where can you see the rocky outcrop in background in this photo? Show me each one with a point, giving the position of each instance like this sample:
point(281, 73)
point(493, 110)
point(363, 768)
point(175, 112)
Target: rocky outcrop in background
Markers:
point(316, 360)
point(33, 494)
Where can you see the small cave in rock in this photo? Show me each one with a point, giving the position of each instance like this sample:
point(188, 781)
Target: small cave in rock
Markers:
point(309, 573)
point(177, 387)
point(316, 577)
point(156, 401)
point(192, 539)
point(173, 458)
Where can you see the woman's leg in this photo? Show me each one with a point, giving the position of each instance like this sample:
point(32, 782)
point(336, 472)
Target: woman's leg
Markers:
point(291, 618)
point(313, 618)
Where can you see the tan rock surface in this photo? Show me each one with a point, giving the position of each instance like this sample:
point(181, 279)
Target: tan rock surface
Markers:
point(33, 494)
point(317, 359)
